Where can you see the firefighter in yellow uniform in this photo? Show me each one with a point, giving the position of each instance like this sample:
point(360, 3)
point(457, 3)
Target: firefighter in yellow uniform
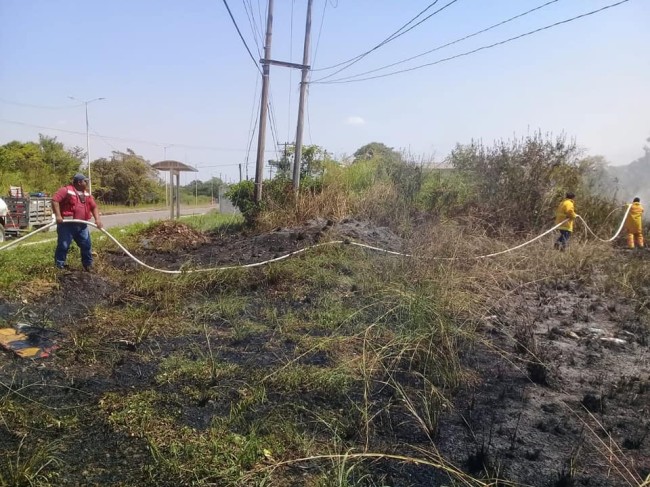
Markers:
point(634, 224)
point(565, 211)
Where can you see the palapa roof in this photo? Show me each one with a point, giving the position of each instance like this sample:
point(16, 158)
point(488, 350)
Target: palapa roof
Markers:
point(173, 166)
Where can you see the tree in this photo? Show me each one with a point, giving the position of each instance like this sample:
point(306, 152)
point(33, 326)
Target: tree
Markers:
point(42, 166)
point(377, 151)
point(207, 188)
point(313, 159)
point(126, 178)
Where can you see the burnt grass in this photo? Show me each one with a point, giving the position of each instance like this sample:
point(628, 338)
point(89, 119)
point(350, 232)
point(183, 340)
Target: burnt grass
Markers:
point(212, 381)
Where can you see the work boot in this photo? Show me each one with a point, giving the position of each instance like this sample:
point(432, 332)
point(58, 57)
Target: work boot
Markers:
point(88, 268)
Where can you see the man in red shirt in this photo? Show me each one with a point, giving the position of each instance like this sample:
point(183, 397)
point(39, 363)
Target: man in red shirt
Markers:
point(74, 202)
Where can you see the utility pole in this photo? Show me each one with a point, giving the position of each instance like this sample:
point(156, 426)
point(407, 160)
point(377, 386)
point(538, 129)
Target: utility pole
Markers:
point(286, 155)
point(240, 175)
point(261, 139)
point(297, 155)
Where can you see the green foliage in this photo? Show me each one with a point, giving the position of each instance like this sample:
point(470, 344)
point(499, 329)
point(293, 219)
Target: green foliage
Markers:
point(209, 188)
point(42, 166)
point(357, 178)
point(242, 196)
point(518, 183)
point(443, 192)
point(313, 160)
point(377, 151)
point(126, 178)
point(28, 467)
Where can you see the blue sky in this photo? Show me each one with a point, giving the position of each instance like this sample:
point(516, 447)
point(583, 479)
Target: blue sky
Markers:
point(175, 73)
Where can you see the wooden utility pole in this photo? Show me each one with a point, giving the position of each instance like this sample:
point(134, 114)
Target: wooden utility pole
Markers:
point(284, 152)
point(297, 157)
point(261, 139)
point(240, 176)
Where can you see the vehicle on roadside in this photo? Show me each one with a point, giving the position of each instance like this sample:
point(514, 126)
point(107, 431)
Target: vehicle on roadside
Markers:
point(22, 213)
point(3, 214)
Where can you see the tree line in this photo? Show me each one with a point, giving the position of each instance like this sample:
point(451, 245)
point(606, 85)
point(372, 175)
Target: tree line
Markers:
point(124, 178)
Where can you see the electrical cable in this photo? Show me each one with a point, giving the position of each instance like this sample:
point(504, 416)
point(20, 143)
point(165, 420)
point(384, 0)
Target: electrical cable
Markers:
point(253, 26)
point(255, 115)
point(320, 30)
point(380, 44)
point(437, 48)
point(225, 2)
point(44, 107)
point(386, 41)
point(482, 48)
point(290, 72)
point(104, 140)
point(125, 139)
point(259, 13)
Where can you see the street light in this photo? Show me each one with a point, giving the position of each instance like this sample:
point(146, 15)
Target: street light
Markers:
point(164, 159)
point(86, 102)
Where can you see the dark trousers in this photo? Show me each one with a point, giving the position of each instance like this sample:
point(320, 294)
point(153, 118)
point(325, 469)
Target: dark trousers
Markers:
point(68, 232)
point(563, 240)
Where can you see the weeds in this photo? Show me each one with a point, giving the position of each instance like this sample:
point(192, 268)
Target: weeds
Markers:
point(30, 465)
point(348, 364)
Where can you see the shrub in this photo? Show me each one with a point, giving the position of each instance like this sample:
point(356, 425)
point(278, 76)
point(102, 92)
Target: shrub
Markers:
point(242, 196)
point(518, 183)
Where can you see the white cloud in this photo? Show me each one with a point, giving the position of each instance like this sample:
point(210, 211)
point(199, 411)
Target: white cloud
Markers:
point(355, 121)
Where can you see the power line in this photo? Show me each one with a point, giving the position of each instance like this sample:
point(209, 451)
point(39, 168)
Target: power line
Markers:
point(29, 105)
point(274, 127)
point(253, 123)
point(482, 48)
point(290, 72)
point(311, 141)
point(225, 2)
point(320, 30)
point(105, 141)
point(398, 33)
point(253, 25)
point(437, 48)
point(380, 44)
point(259, 14)
point(233, 164)
point(124, 139)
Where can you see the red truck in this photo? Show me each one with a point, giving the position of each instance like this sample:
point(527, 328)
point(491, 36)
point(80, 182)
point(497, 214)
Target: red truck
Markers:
point(22, 213)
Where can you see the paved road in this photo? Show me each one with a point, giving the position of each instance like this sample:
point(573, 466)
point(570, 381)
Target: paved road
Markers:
point(147, 216)
point(122, 219)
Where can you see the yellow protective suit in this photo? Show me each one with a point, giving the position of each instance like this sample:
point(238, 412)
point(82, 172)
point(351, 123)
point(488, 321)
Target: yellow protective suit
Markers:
point(564, 211)
point(634, 225)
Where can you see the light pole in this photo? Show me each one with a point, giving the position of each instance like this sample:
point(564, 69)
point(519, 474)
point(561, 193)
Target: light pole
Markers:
point(86, 102)
point(166, 182)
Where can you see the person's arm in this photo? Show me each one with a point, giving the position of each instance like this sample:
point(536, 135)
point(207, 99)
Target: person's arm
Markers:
point(571, 212)
point(98, 221)
point(59, 196)
point(57, 211)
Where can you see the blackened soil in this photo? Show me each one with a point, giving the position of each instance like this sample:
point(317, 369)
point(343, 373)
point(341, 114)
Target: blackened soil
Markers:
point(584, 409)
point(561, 394)
point(233, 249)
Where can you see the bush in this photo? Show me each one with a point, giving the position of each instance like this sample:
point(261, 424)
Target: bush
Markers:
point(242, 196)
point(519, 183)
